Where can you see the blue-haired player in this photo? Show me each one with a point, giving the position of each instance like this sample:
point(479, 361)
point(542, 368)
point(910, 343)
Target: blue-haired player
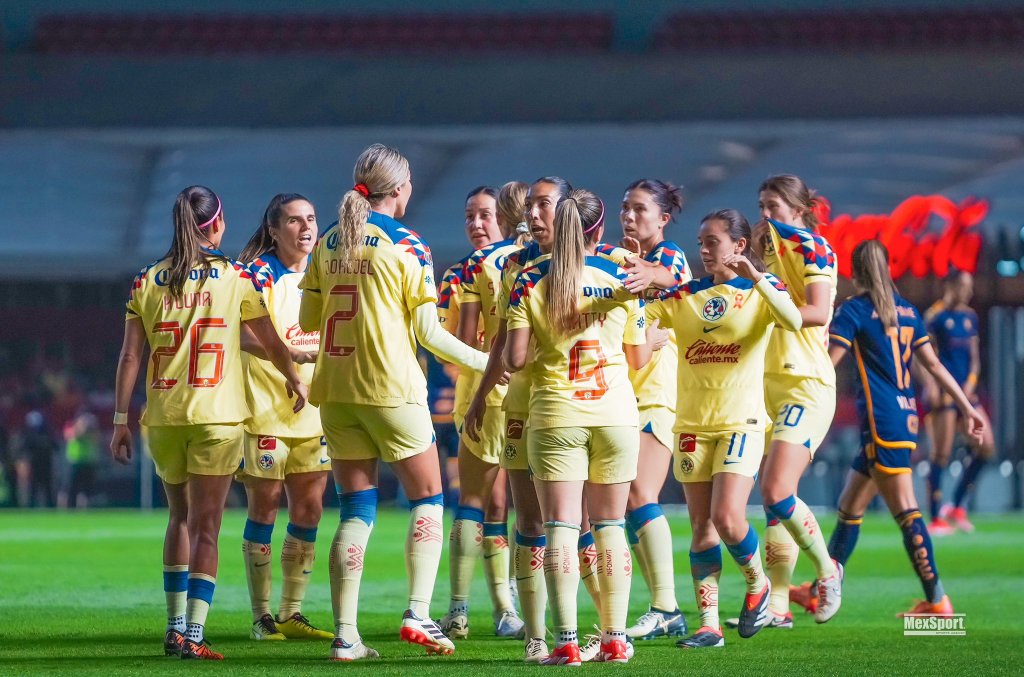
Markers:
point(884, 332)
point(953, 326)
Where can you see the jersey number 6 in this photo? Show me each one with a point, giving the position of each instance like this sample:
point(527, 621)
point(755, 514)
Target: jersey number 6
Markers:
point(352, 292)
point(595, 373)
point(196, 348)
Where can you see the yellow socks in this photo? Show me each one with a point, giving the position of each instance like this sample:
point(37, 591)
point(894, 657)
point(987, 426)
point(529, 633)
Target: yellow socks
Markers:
point(706, 569)
point(464, 546)
point(616, 573)
point(297, 555)
point(747, 555)
point(562, 574)
point(589, 565)
point(529, 555)
point(654, 541)
point(358, 513)
point(801, 524)
point(423, 547)
point(256, 553)
point(496, 566)
point(780, 552)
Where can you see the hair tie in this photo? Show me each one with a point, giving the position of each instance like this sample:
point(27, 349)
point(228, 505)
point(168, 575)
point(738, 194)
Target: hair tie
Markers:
point(215, 215)
point(600, 219)
point(522, 228)
point(361, 189)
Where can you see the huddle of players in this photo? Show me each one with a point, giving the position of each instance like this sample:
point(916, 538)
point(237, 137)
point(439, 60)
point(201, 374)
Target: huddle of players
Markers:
point(585, 428)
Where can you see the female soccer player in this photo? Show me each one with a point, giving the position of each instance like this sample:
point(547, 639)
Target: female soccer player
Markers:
point(953, 326)
point(722, 325)
point(800, 391)
point(369, 290)
point(481, 481)
point(647, 208)
point(530, 541)
point(586, 328)
point(885, 331)
point(283, 450)
point(190, 307)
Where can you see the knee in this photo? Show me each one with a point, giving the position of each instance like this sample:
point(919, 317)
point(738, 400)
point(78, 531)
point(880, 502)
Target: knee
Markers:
point(704, 535)
point(731, 524)
point(264, 514)
point(529, 523)
point(497, 510)
point(178, 518)
point(639, 497)
point(306, 513)
point(773, 492)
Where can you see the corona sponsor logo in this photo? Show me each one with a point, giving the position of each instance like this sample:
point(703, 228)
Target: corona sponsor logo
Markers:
point(162, 278)
point(332, 241)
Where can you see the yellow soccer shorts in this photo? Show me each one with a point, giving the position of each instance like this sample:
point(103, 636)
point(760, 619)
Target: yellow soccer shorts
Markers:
point(801, 409)
point(273, 458)
point(492, 437)
point(514, 454)
point(357, 432)
point(202, 449)
point(598, 454)
point(658, 421)
point(699, 456)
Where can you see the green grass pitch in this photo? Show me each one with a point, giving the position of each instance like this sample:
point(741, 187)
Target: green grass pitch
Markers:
point(81, 593)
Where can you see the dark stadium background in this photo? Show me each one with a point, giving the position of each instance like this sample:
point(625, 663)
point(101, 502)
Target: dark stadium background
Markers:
point(108, 109)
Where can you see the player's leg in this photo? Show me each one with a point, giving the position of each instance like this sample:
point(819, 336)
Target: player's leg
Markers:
point(529, 552)
point(783, 466)
point(942, 424)
point(497, 557)
point(206, 496)
point(476, 477)
point(586, 551)
point(981, 453)
point(652, 548)
point(176, 551)
point(895, 484)
point(263, 495)
point(356, 480)
point(705, 566)
point(305, 508)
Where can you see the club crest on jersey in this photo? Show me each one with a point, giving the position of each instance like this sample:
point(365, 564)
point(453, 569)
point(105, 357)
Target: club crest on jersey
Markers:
point(715, 308)
point(686, 465)
point(265, 462)
point(511, 451)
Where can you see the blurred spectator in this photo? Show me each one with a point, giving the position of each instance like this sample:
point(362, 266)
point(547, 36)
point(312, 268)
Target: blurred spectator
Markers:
point(82, 451)
point(34, 454)
point(8, 482)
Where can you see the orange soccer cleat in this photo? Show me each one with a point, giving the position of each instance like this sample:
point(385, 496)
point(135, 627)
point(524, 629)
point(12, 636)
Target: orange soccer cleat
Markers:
point(941, 608)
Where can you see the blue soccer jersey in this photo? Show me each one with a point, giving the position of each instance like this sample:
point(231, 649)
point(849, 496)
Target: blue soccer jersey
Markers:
point(953, 331)
point(885, 402)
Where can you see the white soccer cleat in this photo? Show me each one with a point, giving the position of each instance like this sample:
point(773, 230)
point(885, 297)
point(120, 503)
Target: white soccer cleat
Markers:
point(343, 651)
point(830, 595)
point(656, 623)
point(426, 633)
point(509, 625)
point(536, 650)
point(455, 625)
point(591, 649)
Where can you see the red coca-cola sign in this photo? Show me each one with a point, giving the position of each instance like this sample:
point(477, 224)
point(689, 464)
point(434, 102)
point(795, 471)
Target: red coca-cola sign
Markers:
point(925, 234)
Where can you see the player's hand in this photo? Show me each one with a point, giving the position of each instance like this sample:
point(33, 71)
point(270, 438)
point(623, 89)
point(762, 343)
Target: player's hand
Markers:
point(300, 391)
point(759, 237)
point(304, 356)
point(741, 265)
point(641, 274)
point(504, 378)
point(632, 244)
point(975, 424)
point(474, 421)
point(121, 444)
point(657, 338)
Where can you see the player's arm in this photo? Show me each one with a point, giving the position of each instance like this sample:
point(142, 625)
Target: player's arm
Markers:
point(310, 310)
point(128, 363)
point(930, 361)
point(516, 348)
point(252, 345)
point(636, 339)
point(435, 339)
point(819, 304)
point(972, 377)
point(637, 356)
point(494, 373)
point(469, 322)
point(836, 353)
point(277, 352)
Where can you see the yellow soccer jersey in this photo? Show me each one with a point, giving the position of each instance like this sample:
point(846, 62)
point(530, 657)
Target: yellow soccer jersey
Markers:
point(368, 347)
point(194, 375)
point(654, 385)
point(265, 392)
point(799, 257)
point(582, 379)
point(481, 283)
point(723, 332)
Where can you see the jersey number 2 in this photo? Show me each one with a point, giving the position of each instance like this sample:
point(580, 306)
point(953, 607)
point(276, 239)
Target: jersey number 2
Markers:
point(595, 373)
point(352, 293)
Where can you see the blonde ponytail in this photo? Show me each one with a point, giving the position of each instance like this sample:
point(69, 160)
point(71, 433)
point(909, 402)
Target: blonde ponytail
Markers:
point(511, 207)
point(871, 272)
point(379, 170)
point(577, 218)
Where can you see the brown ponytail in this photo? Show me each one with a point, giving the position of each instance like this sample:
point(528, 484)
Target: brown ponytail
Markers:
point(576, 220)
point(871, 273)
point(194, 207)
